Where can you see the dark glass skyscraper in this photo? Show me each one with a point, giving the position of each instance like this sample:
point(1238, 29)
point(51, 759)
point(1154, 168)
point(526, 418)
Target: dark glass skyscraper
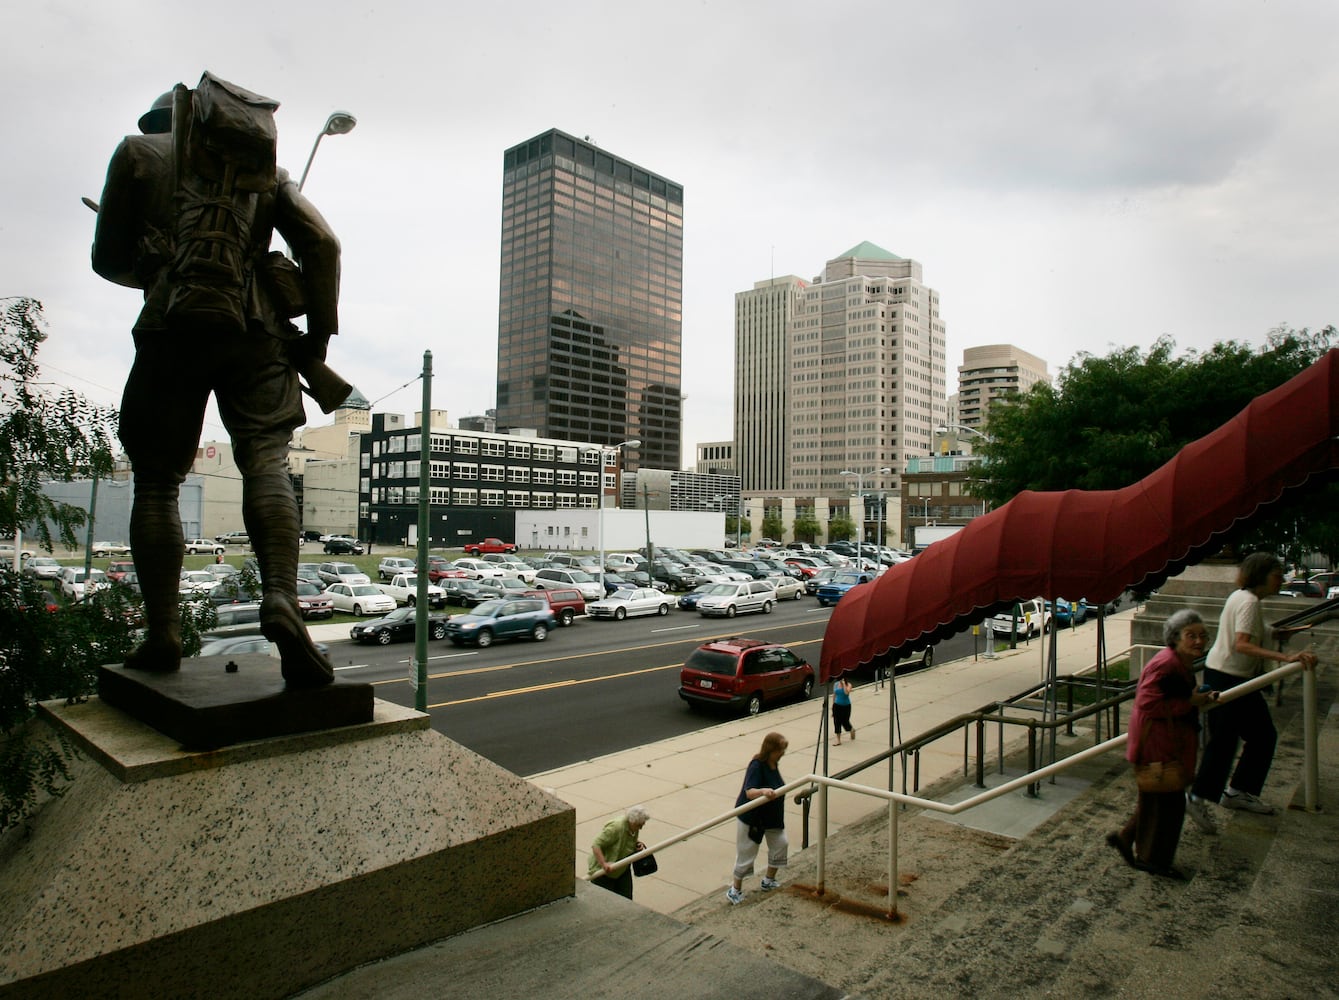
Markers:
point(590, 311)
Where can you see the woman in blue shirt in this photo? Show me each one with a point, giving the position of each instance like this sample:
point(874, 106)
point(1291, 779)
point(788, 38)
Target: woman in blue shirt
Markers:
point(761, 781)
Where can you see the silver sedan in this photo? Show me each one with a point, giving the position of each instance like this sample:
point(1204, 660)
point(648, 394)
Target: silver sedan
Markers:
point(630, 603)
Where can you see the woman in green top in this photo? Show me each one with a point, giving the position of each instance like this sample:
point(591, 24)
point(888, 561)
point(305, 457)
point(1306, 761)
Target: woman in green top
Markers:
point(617, 841)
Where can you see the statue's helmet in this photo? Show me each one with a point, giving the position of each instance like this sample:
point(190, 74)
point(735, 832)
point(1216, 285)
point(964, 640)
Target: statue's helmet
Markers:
point(159, 117)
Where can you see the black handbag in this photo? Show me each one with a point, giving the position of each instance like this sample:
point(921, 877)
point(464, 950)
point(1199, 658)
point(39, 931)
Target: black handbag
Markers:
point(645, 866)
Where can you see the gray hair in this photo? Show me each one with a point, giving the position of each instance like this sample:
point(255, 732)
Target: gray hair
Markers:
point(1171, 628)
point(637, 815)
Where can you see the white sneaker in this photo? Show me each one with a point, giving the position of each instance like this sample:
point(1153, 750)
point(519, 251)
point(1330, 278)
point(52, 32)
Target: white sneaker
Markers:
point(768, 884)
point(736, 896)
point(1233, 799)
point(1198, 810)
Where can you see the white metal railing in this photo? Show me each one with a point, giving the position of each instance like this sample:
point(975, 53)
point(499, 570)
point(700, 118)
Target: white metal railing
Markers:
point(1311, 780)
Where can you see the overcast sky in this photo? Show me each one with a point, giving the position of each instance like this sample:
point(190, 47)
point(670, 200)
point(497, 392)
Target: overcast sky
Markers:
point(1072, 176)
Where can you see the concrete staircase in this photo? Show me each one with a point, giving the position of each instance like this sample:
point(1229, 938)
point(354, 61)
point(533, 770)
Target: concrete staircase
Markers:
point(1057, 913)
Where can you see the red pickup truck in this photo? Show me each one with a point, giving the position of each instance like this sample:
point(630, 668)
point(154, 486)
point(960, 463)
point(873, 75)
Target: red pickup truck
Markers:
point(489, 545)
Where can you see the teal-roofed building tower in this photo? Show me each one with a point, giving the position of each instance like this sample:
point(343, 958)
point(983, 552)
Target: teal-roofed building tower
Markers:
point(846, 373)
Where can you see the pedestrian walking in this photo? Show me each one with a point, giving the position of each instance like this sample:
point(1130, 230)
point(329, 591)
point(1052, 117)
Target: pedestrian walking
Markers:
point(618, 840)
point(1237, 655)
point(1164, 733)
point(841, 709)
point(768, 821)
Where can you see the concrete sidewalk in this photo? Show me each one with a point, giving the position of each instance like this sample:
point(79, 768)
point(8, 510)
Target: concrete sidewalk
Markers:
point(689, 779)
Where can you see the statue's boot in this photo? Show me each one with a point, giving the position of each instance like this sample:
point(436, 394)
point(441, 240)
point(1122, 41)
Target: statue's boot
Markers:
point(271, 516)
point(156, 540)
point(301, 663)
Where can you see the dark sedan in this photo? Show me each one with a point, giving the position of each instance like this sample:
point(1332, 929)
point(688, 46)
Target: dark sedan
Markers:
point(688, 601)
point(467, 593)
point(398, 625)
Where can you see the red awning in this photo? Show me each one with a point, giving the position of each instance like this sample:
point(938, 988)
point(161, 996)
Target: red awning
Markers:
point(1095, 544)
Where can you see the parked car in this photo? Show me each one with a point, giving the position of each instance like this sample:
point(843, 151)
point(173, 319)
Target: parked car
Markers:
point(359, 599)
point(520, 570)
point(440, 568)
point(404, 589)
point(391, 565)
point(341, 572)
point(629, 603)
point(1302, 588)
point(310, 571)
point(343, 547)
point(74, 584)
point(196, 582)
point(219, 571)
point(812, 583)
point(233, 538)
point(313, 601)
point(401, 623)
point(730, 599)
point(833, 590)
point(1033, 618)
point(787, 588)
point(466, 592)
point(488, 545)
point(509, 618)
point(688, 601)
point(613, 582)
point(42, 568)
point(204, 546)
point(807, 565)
point(743, 673)
point(568, 579)
point(234, 589)
point(478, 569)
point(566, 604)
point(1066, 613)
point(239, 645)
point(234, 616)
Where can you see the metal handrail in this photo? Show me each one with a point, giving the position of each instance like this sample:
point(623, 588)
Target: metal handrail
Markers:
point(993, 712)
point(893, 798)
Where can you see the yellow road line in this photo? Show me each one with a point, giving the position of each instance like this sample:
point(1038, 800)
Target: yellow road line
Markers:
point(581, 656)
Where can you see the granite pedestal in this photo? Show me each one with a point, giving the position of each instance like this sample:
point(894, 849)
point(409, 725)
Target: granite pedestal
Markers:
point(266, 867)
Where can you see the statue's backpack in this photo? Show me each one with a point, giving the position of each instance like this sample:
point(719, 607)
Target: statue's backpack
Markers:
point(224, 149)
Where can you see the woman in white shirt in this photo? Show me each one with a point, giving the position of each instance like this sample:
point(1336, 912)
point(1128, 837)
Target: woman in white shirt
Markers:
point(1238, 654)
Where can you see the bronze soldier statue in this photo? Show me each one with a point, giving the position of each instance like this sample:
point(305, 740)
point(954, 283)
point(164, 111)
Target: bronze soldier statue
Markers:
point(187, 215)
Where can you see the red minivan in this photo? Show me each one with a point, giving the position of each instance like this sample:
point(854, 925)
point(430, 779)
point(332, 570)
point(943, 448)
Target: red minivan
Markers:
point(743, 673)
point(566, 604)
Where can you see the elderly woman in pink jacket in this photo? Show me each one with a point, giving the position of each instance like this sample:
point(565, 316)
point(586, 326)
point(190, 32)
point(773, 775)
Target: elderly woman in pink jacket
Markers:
point(1164, 728)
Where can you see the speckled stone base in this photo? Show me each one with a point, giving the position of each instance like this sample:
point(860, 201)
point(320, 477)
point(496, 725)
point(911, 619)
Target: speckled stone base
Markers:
point(267, 867)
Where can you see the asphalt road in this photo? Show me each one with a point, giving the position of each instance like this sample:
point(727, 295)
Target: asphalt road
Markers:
point(589, 690)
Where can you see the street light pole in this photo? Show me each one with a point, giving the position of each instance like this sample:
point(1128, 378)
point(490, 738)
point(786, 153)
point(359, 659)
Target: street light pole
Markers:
point(860, 491)
point(339, 123)
point(632, 443)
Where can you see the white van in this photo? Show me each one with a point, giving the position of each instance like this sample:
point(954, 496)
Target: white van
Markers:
point(726, 600)
point(617, 562)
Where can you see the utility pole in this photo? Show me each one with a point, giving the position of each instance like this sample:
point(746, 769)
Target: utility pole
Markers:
point(419, 670)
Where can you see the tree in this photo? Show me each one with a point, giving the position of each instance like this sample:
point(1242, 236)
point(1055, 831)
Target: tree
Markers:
point(840, 528)
point(1110, 421)
point(773, 526)
point(43, 435)
point(734, 526)
point(805, 528)
point(44, 655)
